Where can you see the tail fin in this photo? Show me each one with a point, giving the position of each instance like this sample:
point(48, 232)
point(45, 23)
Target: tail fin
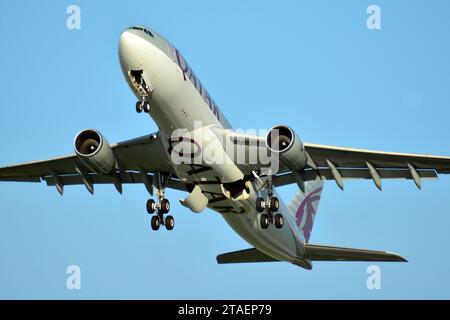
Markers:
point(304, 206)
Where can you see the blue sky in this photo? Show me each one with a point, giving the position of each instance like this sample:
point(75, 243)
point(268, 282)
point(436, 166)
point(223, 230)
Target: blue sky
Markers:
point(310, 64)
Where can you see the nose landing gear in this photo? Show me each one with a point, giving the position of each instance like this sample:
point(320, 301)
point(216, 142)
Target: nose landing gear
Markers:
point(143, 88)
point(142, 106)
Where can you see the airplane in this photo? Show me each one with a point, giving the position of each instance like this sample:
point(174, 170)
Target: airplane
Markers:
point(193, 135)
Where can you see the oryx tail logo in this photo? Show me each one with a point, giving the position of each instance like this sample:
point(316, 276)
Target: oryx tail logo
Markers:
point(307, 211)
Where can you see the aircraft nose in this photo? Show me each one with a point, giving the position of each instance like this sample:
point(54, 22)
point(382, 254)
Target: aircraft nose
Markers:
point(125, 43)
point(129, 48)
point(126, 39)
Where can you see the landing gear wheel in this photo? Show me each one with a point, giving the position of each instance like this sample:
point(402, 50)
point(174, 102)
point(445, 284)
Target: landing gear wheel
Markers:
point(165, 206)
point(139, 107)
point(264, 221)
point(274, 204)
point(169, 222)
point(279, 221)
point(260, 204)
point(146, 107)
point(155, 223)
point(151, 206)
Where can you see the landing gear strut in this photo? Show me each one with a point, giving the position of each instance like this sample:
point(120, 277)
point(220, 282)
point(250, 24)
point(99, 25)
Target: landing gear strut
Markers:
point(162, 206)
point(270, 205)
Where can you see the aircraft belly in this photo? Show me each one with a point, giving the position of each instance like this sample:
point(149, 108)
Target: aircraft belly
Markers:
point(241, 215)
point(244, 220)
point(277, 243)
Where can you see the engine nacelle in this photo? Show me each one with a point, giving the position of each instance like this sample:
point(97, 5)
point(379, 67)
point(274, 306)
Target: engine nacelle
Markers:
point(284, 142)
point(94, 151)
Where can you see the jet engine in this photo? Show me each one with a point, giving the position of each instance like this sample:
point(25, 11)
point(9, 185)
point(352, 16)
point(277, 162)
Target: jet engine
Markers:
point(282, 141)
point(94, 151)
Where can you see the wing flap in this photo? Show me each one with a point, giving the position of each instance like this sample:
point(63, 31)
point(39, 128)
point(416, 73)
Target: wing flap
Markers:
point(244, 256)
point(351, 173)
point(354, 157)
point(327, 253)
point(125, 178)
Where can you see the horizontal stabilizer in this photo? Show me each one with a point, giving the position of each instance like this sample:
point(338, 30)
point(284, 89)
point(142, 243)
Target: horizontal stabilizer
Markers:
point(326, 253)
point(313, 252)
point(244, 256)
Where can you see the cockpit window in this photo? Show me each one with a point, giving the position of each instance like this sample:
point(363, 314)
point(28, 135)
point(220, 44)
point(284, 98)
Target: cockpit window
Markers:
point(148, 32)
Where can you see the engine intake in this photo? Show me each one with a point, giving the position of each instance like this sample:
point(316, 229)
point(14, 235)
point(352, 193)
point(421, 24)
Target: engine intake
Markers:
point(94, 151)
point(284, 142)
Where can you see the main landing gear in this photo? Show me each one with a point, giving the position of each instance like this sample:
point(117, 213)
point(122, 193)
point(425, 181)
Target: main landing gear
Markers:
point(269, 205)
point(161, 207)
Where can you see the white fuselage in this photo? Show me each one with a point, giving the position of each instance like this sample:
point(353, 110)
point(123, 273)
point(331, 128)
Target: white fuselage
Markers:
point(179, 101)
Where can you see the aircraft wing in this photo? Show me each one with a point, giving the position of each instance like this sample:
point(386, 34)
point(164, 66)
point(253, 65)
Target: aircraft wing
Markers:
point(340, 163)
point(352, 157)
point(137, 160)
